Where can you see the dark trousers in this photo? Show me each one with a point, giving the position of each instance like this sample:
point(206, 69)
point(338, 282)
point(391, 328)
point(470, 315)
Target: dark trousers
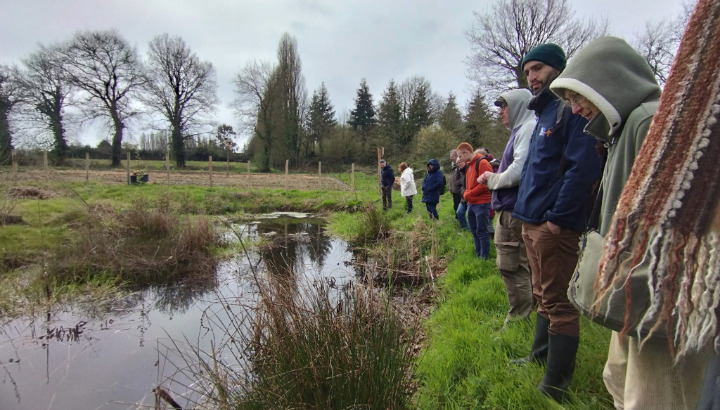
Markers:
point(408, 200)
point(478, 219)
point(387, 196)
point(432, 209)
point(456, 202)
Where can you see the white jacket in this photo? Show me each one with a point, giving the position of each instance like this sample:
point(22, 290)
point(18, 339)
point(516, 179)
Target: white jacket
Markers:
point(407, 183)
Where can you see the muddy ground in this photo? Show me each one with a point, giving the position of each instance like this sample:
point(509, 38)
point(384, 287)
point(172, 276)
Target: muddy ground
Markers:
point(255, 180)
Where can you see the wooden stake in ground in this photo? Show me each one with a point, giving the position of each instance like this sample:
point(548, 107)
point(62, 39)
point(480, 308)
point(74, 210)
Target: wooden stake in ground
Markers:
point(45, 165)
point(128, 168)
point(286, 173)
point(87, 167)
point(352, 177)
point(167, 166)
point(14, 165)
point(210, 169)
point(380, 153)
point(248, 174)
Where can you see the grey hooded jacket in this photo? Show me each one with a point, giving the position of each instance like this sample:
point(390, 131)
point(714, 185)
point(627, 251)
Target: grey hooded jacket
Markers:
point(617, 80)
point(521, 124)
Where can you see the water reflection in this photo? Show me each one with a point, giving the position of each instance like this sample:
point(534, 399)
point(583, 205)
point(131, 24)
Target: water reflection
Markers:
point(90, 355)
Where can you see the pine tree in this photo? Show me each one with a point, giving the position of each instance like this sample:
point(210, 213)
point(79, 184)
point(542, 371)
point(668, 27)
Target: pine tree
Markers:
point(362, 117)
point(390, 120)
point(451, 118)
point(321, 120)
point(484, 129)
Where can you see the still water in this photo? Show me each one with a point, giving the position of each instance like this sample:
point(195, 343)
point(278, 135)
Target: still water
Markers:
point(86, 356)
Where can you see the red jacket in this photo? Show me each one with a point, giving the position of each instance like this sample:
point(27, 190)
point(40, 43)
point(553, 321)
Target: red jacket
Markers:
point(477, 193)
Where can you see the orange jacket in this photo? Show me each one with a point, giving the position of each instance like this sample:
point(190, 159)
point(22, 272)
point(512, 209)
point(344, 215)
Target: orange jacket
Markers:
point(477, 193)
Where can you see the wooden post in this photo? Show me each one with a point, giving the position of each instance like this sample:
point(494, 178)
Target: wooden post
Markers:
point(380, 153)
point(227, 157)
point(352, 177)
point(287, 162)
point(210, 169)
point(87, 167)
point(128, 168)
point(167, 166)
point(248, 174)
point(319, 168)
point(45, 164)
point(14, 165)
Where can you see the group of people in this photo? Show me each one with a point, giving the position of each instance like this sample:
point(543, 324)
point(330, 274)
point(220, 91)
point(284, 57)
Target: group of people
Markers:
point(431, 186)
point(575, 136)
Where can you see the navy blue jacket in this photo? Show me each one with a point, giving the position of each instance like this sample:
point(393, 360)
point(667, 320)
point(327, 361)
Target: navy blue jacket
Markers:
point(432, 183)
point(560, 170)
point(387, 176)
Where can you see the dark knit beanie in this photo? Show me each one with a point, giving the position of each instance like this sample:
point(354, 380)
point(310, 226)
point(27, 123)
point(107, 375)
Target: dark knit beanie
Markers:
point(548, 53)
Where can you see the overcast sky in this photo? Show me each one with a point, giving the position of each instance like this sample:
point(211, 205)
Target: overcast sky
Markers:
point(339, 41)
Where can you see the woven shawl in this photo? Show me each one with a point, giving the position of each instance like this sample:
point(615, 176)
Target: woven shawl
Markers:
point(668, 213)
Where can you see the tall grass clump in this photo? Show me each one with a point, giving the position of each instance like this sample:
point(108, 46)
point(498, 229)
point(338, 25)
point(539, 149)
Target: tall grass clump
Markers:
point(374, 225)
point(313, 347)
point(139, 245)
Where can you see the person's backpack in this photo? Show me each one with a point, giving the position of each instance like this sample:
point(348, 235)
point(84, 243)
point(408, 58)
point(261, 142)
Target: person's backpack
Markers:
point(443, 187)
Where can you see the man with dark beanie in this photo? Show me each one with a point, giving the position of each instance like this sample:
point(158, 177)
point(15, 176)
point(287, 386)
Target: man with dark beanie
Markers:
point(557, 179)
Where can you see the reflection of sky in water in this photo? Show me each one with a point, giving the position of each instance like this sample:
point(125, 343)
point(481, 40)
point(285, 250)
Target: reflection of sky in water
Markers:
point(88, 357)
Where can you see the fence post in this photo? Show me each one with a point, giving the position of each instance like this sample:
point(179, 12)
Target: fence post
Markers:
point(352, 177)
point(167, 166)
point(45, 165)
point(227, 157)
point(87, 167)
point(210, 169)
point(319, 168)
point(14, 164)
point(248, 174)
point(128, 168)
point(287, 162)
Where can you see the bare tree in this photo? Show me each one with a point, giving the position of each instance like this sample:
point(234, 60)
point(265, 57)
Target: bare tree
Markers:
point(256, 106)
point(501, 38)
point(45, 90)
point(8, 99)
point(180, 86)
point(104, 66)
point(659, 41)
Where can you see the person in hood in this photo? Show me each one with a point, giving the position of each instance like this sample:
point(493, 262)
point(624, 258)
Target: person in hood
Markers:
point(431, 185)
point(511, 256)
point(619, 102)
point(387, 179)
point(477, 197)
point(407, 185)
point(557, 179)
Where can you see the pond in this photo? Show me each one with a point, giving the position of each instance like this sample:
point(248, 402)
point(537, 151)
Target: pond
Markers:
point(86, 356)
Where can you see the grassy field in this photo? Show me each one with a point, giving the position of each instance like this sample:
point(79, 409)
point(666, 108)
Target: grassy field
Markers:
point(464, 360)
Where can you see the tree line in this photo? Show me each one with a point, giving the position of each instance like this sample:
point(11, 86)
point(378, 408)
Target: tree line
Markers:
point(98, 75)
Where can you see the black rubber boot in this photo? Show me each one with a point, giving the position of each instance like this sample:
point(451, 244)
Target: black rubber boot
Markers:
point(560, 366)
point(539, 352)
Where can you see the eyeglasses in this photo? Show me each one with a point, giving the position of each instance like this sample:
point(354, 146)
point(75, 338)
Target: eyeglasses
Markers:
point(573, 98)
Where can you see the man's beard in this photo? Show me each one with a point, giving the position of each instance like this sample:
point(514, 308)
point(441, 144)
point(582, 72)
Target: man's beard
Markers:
point(551, 77)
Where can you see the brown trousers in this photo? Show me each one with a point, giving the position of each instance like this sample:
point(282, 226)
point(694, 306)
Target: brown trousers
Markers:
point(552, 262)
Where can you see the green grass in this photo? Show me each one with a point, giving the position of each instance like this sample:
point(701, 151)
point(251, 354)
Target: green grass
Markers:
point(465, 358)
point(465, 363)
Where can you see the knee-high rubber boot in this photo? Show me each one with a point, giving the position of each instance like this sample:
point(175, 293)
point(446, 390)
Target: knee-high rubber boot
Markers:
point(560, 366)
point(539, 352)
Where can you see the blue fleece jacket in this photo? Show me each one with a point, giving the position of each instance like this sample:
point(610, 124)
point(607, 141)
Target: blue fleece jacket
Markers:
point(560, 170)
point(432, 183)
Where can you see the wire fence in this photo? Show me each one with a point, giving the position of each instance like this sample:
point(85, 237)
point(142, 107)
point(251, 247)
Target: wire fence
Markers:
point(202, 173)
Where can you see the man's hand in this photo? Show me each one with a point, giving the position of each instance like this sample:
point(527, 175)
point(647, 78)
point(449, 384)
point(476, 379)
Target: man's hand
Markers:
point(482, 179)
point(554, 229)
